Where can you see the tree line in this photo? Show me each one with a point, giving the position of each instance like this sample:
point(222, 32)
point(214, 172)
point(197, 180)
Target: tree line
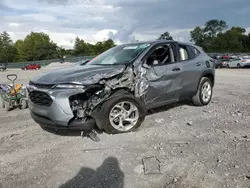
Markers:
point(213, 36)
point(38, 46)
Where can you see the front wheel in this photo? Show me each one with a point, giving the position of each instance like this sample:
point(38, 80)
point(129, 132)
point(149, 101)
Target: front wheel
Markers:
point(228, 66)
point(204, 93)
point(123, 113)
point(238, 66)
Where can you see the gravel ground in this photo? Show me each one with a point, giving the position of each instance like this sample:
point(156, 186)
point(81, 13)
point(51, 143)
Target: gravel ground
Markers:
point(196, 146)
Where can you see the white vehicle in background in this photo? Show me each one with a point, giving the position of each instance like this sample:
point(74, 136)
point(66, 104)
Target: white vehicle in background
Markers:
point(239, 62)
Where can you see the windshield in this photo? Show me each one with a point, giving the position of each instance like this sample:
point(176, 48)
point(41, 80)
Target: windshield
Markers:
point(122, 54)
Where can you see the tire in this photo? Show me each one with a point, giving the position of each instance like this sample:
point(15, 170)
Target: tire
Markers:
point(197, 99)
point(2, 103)
point(23, 104)
point(228, 66)
point(7, 106)
point(109, 105)
point(238, 66)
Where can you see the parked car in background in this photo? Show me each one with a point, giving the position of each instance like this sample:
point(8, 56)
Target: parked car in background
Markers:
point(239, 62)
point(221, 63)
point(3, 66)
point(245, 61)
point(234, 63)
point(31, 67)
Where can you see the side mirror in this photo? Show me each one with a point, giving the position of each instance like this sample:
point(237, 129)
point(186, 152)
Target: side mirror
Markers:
point(85, 62)
point(145, 65)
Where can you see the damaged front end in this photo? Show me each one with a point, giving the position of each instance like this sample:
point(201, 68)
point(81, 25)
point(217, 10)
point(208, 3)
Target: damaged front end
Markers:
point(87, 105)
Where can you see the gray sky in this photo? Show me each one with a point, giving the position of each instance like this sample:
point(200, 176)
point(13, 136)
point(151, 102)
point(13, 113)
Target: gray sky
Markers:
point(121, 20)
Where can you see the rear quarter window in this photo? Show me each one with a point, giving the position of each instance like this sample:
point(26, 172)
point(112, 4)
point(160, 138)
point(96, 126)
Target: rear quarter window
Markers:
point(194, 50)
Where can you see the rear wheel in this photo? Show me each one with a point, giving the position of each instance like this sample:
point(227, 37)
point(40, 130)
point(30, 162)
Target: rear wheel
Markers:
point(23, 104)
point(7, 106)
point(204, 93)
point(123, 113)
point(238, 66)
point(228, 66)
point(2, 102)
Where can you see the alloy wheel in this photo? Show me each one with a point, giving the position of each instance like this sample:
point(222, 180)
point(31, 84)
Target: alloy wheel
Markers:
point(206, 92)
point(124, 116)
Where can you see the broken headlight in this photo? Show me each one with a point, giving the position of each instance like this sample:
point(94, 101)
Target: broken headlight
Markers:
point(69, 86)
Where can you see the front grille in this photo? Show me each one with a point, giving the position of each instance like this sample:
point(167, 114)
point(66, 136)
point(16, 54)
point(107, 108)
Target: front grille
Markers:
point(42, 86)
point(40, 98)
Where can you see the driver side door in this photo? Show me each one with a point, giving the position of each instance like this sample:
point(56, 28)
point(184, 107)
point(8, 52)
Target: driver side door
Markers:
point(164, 77)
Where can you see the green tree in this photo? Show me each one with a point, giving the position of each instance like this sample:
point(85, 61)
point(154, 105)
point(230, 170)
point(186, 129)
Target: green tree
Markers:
point(213, 38)
point(165, 36)
point(7, 48)
point(38, 46)
point(82, 48)
point(213, 27)
point(19, 50)
point(198, 36)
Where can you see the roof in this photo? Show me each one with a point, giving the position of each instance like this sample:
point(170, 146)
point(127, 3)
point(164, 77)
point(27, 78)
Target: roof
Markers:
point(160, 41)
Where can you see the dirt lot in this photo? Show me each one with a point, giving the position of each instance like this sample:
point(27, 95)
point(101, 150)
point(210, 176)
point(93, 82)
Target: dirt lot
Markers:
point(197, 147)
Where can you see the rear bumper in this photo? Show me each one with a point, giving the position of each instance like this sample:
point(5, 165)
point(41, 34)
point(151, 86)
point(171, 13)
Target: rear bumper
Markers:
point(245, 64)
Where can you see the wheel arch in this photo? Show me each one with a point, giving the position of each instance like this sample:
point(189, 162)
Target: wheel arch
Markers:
point(208, 74)
point(97, 110)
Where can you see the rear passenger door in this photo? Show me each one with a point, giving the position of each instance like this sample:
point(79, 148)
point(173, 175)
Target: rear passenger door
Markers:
point(192, 66)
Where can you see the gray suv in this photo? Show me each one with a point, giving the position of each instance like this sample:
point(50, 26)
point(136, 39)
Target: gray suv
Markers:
point(113, 91)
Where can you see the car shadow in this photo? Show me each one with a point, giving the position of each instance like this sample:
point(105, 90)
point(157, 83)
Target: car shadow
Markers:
point(65, 132)
point(68, 132)
point(168, 107)
point(108, 175)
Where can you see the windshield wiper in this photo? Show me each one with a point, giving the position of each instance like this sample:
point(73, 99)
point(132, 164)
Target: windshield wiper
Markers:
point(122, 63)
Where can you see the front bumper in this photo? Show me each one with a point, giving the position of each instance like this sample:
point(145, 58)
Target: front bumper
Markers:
point(86, 126)
point(49, 115)
point(59, 114)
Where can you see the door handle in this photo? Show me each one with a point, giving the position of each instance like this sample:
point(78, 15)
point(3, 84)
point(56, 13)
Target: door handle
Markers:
point(198, 64)
point(176, 69)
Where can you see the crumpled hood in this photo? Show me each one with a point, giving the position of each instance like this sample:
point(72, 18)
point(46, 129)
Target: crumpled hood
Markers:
point(87, 74)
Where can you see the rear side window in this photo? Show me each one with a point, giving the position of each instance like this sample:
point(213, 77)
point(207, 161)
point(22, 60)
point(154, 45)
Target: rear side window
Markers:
point(194, 50)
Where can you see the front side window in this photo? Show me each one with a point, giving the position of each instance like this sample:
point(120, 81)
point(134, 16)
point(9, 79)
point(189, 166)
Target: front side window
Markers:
point(161, 55)
point(122, 54)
